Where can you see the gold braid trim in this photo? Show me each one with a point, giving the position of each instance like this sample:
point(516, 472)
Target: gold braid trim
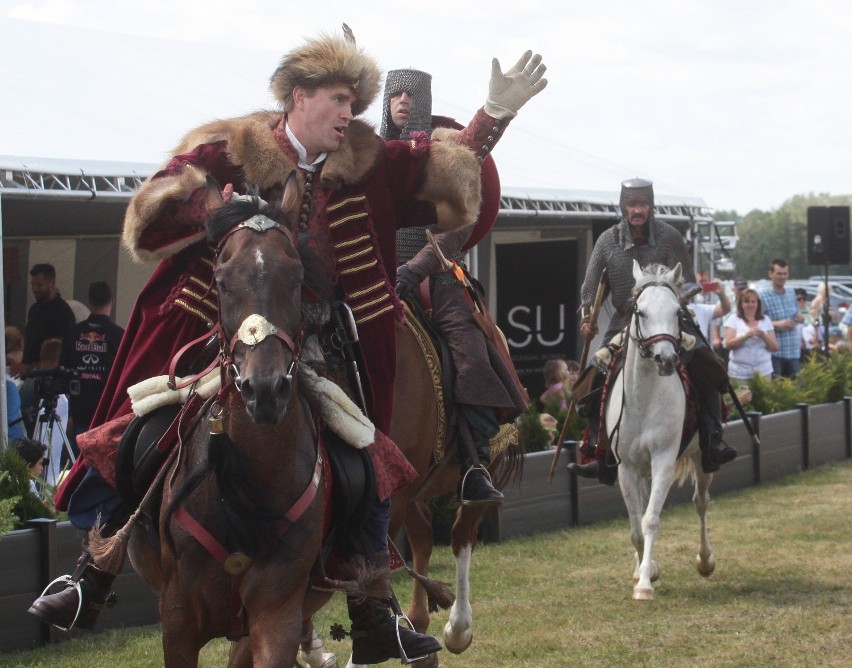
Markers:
point(344, 202)
point(346, 219)
point(508, 435)
point(378, 300)
point(370, 316)
point(371, 288)
point(360, 267)
point(352, 242)
point(430, 356)
point(195, 311)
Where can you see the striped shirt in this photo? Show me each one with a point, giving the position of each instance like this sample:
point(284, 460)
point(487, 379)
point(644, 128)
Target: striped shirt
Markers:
point(782, 307)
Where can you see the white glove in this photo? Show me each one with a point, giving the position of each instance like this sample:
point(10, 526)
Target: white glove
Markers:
point(508, 92)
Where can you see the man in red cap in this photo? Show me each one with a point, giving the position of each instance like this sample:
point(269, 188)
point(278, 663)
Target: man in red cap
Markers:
point(356, 191)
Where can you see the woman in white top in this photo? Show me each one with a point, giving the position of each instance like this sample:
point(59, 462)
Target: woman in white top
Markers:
point(750, 338)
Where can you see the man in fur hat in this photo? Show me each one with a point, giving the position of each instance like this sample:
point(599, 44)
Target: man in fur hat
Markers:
point(356, 191)
point(485, 387)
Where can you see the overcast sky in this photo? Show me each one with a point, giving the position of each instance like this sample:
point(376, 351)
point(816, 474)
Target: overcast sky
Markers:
point(744, 103)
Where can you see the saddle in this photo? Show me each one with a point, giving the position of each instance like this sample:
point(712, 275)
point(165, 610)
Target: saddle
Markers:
point(150, 438)
point(439, 360)
point(595, 390)
point(145, 445)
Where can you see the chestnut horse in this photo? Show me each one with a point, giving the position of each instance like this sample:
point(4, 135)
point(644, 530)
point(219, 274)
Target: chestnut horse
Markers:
point(240, 524)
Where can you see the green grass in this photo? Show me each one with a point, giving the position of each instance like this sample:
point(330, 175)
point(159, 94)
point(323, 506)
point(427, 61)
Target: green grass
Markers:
point(781, 594)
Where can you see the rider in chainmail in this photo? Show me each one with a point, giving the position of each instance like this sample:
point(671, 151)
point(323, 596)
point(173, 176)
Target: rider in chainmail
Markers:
point(478, 390)
point(639, 236)
point(616, 249)
point(417, 117)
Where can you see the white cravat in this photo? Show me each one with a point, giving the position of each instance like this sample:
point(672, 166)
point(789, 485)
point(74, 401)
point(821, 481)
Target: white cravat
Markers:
point(303, 153)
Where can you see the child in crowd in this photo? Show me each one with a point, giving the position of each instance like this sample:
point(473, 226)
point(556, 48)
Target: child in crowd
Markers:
point(559, 378)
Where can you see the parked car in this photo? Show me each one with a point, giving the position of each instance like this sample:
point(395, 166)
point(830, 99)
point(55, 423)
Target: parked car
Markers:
point(845, 281)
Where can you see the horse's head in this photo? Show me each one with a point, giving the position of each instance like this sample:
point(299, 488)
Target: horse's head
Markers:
point(259, 282)
point(655, 325)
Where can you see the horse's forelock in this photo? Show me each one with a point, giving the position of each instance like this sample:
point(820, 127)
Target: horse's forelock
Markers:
point(231, 214)
point(655, 273)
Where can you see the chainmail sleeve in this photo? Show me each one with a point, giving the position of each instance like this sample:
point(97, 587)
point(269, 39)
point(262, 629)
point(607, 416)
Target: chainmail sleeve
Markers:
point(426, 262)
point(597, 263)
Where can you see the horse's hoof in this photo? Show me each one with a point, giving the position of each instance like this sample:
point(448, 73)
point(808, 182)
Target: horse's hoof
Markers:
point(705, 568)
point(428, 661)
point(456, 642)
point(316, 660)
point(643, 593)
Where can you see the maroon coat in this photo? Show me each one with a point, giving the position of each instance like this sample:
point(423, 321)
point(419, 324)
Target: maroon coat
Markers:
point(367, 188)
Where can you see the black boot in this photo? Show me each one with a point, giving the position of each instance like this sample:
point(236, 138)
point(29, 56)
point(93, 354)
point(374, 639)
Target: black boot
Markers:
point(714, 451)
point(80, 602)
point(590, 470)
point(477, 425)
point(376, 633)
point(477, 490)
point(605, 471)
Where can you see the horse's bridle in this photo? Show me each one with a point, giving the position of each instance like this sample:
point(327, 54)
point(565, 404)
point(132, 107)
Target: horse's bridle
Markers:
point(255, 328)
point(645, 342)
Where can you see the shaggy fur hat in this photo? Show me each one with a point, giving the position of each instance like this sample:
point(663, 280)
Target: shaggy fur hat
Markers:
point(327, 60)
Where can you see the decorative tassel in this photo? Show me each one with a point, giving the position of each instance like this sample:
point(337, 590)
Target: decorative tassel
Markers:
point(439, 594)
point(109, 553)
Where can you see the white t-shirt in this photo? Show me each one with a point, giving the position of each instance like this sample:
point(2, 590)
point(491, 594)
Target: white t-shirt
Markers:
point(704, 316)
point(751, 357)
point(808, 334)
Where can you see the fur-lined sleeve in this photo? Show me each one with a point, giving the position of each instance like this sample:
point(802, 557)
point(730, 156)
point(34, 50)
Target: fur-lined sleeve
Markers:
point(452, 181)
point(169, 210)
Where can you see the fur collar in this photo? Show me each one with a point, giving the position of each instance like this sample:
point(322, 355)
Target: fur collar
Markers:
point(252, 147)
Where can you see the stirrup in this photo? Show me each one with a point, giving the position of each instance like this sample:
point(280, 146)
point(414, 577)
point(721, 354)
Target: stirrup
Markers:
point(403, 657)
point(68, 582)
point(462, 501)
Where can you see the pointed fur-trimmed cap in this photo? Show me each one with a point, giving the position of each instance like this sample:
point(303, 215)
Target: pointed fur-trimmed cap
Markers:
point(328, 60)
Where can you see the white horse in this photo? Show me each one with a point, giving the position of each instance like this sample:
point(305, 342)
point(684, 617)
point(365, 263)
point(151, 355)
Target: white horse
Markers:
point(644, 420)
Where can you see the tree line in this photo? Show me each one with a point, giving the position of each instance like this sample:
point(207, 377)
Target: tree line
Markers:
point(764, 235)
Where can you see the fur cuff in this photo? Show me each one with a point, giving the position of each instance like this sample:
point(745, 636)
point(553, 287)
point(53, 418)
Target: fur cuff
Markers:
point(453, 181)
point(147, 206)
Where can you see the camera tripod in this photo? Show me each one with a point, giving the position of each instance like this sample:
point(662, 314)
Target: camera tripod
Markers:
point(43, 431)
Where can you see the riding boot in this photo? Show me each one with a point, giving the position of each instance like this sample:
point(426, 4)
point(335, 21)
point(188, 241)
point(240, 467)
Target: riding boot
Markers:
point(377, 635)
point(590, 469)
point(80, 602)
point(475, 486)
point(714, 451)
point(603, 466)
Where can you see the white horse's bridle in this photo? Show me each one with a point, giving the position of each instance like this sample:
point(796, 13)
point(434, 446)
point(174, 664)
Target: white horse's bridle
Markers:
point(645, 342)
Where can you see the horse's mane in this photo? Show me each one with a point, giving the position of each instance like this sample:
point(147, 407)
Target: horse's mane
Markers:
point(656, 273)
point(235, 212)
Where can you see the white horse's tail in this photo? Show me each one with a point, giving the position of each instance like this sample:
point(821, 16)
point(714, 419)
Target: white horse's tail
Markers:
point(685, 467)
